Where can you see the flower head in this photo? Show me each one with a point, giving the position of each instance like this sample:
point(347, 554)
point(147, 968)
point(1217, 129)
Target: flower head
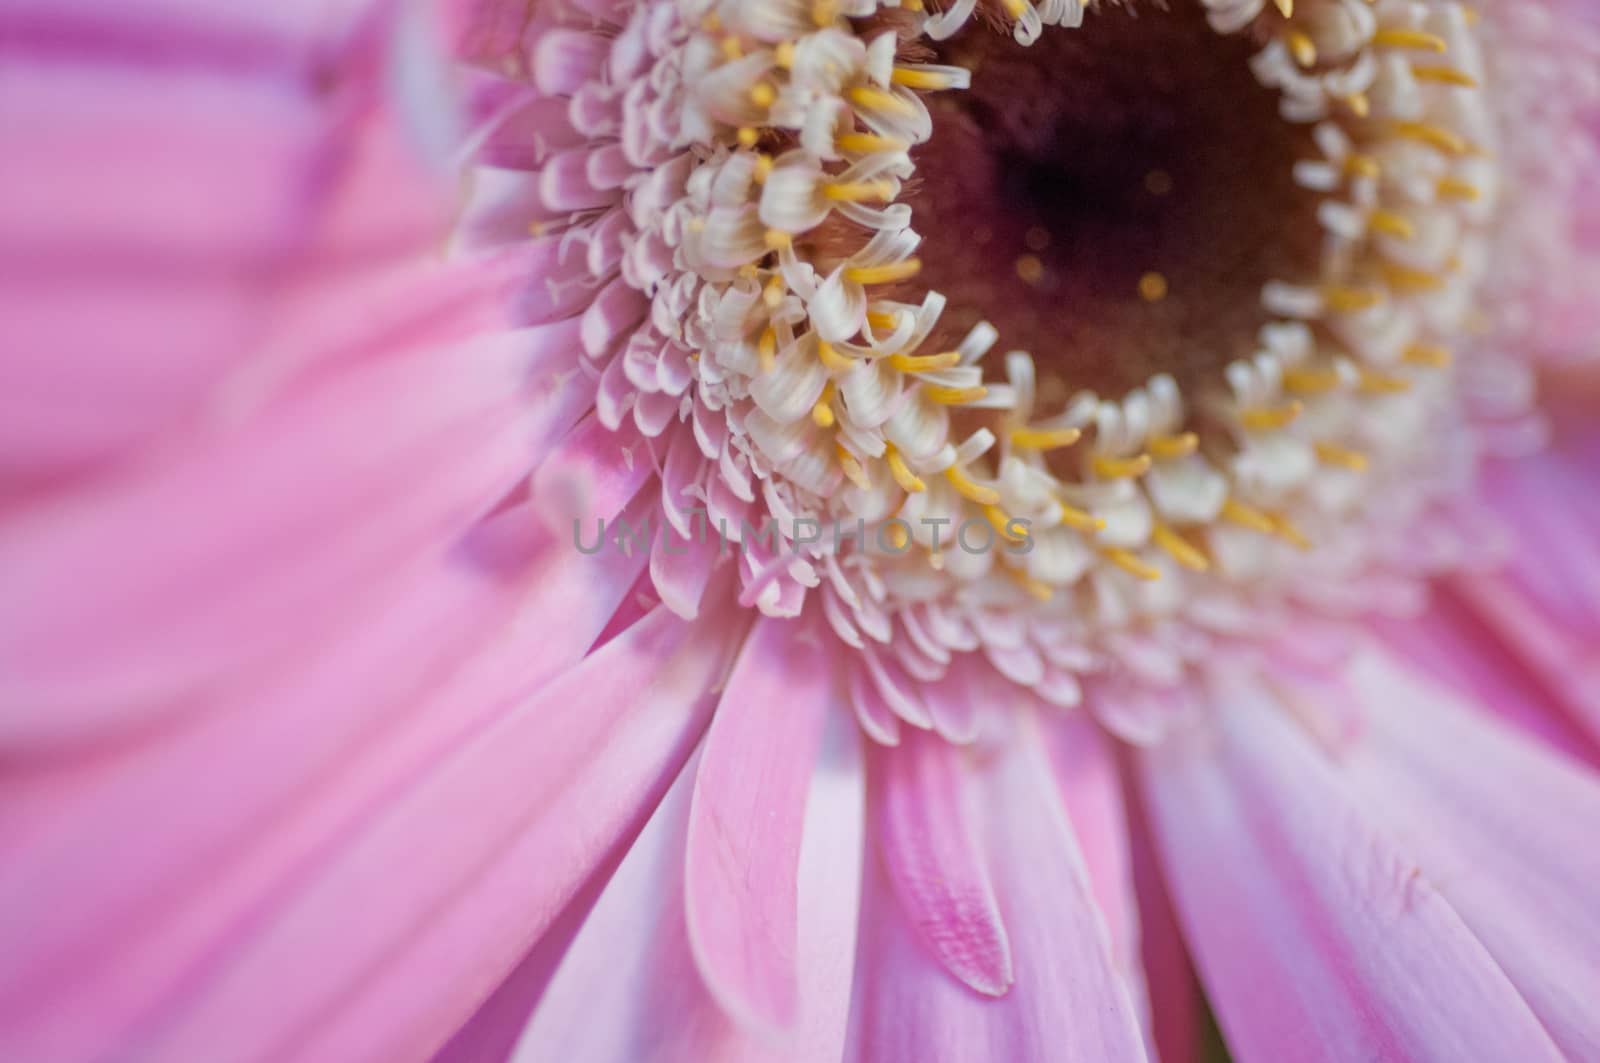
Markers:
point(804, 529)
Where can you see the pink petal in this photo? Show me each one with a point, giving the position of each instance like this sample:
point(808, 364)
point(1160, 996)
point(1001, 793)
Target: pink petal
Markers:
point(1315, 937)
point(207, 821)
point(934, 864)
point(745, 829)
point(521, 812)
point(1086, 775)
point(1507, 828)
point(629, 988)
point(168, 575)
point(1067, 1002)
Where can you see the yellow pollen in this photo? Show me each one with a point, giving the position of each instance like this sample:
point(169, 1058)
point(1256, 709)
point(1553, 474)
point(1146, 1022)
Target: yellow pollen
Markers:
point(899, 537)
point(1181, 550)
point(763, 95)
point(1129, 562)
point(1030, 269)
point(731, 48)
point(1044, 438)
point(749, 137)
point(783, 55)
point(1108, 468)
point(1285, 7)
point(1334, 454)
point(908, 480)
point(1411, 280)
point(824, 12)
point(1170, 448)
point(885, 274)
point(1271, 418)
point(1359, 105)
point(883, 321)
point(925, 363)
point(983, 496)
point(777, 239)
point(1153, 287)
point(763, 169)
point(947, 396)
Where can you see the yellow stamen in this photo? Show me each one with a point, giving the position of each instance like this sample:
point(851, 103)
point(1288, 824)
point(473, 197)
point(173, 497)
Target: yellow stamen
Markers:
point(1434, 136)
point(1344, 300)
point(1038, 588)
point(1286, 530)
point(946, 396)
point(1363, 166)
point(873, 99)
point(858, 191)
point(1271, 418)
point(822, 412)
point(831, 358)
point(1444, 75)
point(1001, 521)
point(1130, 563)
point(1044, 438)
point(1397, 37)
point(1381, 384)
point(884, 274)
point(925, 363)
point(1170, 448)
point(1310, 381)
point(767, 349)
point(1080, 520)
point(1181, 550)
point(868, 144)
point(916, 78)
point(777, 239)
point(1455, 188)
point(983, 496)
point(1153, 287)
point(852, 468)
point(899, 537)
point(1237, 512)
point(1428, 356)
point(1406, 279)
point(763, 95)
point(1345, 458)
point(908, 480)
point(883, 322)
point(1302, 47)
point(1109, 468)
point(1391, 224)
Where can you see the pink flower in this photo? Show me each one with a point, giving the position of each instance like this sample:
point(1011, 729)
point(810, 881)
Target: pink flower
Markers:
point(337, 722)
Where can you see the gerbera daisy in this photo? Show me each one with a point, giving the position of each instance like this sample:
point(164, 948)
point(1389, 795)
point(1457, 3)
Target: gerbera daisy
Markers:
point(799, 529)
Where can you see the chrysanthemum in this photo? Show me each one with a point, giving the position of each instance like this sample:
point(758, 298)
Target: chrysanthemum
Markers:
point(607, 530)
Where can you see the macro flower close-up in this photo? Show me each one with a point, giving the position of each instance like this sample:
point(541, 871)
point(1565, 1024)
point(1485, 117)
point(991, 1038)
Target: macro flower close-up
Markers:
point(600, 531)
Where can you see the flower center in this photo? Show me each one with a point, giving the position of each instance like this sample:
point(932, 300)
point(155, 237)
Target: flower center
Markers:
point(1113, 199)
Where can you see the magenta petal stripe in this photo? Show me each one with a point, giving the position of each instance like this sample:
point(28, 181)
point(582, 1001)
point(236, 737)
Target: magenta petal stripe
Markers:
point(1316, 938)
point(745, 827)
